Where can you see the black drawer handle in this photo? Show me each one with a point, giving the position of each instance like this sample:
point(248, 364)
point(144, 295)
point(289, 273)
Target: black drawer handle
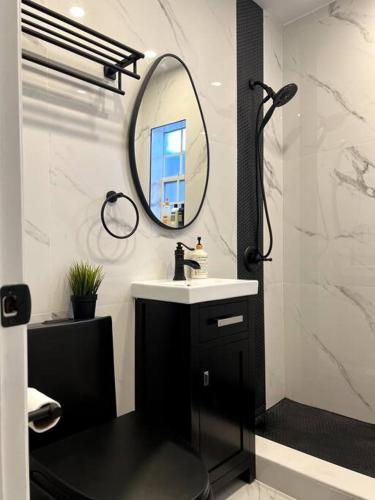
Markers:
point(231, 320)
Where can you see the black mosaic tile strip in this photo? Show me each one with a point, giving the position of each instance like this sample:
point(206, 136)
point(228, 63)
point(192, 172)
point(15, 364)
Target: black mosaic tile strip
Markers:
point(337, 439)
point(249, 66)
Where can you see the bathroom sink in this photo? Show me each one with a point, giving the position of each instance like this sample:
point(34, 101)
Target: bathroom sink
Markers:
point(193, 291)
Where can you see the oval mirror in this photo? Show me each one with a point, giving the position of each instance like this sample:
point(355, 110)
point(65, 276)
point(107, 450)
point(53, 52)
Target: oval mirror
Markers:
point(168, 146)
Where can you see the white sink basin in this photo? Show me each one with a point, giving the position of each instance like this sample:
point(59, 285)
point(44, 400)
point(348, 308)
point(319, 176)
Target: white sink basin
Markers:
point(193, 291)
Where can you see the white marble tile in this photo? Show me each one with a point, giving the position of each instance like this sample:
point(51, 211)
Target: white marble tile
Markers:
point(273, 178)
point(273, 151)
point(330, 346)
point(329, 191)
point(255, 491)
point(76, 150)
point(328, 225)
point(336, 110)
point(274, 343)
point(37, 220)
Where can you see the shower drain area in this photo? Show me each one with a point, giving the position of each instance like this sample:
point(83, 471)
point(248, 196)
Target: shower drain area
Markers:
point(334, 438)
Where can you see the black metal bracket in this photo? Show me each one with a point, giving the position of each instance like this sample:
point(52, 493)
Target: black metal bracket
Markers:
point(112, 196)
point(114, 56)
point(49, 411)
point(111, 73)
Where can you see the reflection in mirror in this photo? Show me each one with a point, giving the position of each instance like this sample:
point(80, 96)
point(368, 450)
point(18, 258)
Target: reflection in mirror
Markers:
point(168, 145)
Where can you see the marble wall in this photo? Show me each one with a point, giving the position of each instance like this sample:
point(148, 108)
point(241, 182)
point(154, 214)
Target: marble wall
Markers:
point(75, 150)
point(273, 178)
point(329, 202)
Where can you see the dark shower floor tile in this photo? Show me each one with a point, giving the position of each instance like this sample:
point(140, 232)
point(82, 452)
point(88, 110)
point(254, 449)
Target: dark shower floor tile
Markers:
point(340, 440)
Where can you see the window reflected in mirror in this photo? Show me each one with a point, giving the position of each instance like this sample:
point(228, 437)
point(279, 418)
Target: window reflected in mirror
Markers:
point(167, 173)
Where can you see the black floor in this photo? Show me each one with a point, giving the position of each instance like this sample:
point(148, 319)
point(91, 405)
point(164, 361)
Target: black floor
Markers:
point(337, 439)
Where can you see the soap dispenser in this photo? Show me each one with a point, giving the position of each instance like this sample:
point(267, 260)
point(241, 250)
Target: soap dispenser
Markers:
point(201, 256)
point(165, 215)
point(174, 215)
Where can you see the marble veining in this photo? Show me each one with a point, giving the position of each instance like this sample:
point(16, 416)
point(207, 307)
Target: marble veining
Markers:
point(336, 11)
point(309, 233)
point(361, 166)
point(272, 134)
point(126, 15)
point(336, 94)
point(254, 491)
point(364, 305)
point(338, 364)
point(227, 29)
point(357, 234)
point(277, 58)
point(329, 225)
point(58, 173)
point(214, 229)
point(36, 233)
point(174, 24)
point(270, 178)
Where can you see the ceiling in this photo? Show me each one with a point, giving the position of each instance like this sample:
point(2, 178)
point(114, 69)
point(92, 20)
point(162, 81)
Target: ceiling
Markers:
point(290, 10)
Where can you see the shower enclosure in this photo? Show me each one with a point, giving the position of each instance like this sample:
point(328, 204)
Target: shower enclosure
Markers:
point(325, 404)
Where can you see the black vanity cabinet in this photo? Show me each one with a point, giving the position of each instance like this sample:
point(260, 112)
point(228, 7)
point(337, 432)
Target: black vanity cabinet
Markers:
point(194, 373)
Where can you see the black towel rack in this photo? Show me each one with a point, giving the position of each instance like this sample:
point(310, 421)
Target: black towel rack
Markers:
point(115, 57)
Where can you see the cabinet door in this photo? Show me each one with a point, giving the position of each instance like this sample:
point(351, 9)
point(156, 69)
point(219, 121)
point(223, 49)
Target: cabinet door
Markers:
point(224, 405)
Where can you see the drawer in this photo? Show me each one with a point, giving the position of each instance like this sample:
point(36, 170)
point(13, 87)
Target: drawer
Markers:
point(218, 321)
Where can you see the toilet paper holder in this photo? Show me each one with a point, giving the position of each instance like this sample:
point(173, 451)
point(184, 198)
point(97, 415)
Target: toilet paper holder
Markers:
point(49, 411)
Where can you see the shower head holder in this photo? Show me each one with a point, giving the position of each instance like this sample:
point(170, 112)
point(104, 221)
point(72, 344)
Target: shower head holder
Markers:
point(283, 96)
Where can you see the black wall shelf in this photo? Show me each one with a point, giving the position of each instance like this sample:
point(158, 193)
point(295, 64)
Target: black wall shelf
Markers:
point(116, 58)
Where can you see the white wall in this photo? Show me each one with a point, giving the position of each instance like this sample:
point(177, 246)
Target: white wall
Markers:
point(273, 178)
point(75, 150)
point(329, 202)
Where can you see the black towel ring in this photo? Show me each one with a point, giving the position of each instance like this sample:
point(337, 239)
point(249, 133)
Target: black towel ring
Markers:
point(112, 197)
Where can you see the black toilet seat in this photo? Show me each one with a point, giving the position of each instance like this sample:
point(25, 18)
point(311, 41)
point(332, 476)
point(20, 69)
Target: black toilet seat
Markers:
point(122, 459)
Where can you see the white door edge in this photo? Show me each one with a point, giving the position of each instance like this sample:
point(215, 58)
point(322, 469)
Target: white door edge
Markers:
point(14, 484)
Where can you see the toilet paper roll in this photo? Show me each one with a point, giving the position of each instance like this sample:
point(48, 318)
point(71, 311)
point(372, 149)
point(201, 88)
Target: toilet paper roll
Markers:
point(35, 401)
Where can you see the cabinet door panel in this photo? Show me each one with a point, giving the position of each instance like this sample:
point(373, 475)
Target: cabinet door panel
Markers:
point(224, 403)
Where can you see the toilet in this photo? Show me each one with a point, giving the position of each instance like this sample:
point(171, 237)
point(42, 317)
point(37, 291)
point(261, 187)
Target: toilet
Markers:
point(91, 454)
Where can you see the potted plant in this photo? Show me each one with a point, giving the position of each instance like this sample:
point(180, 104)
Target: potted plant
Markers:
point(84, 280)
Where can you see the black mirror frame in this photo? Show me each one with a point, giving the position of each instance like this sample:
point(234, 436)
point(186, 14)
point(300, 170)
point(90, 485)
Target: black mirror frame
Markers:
point(132, 157)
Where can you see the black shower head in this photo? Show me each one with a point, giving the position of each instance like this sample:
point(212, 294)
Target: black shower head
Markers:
point(284, 95)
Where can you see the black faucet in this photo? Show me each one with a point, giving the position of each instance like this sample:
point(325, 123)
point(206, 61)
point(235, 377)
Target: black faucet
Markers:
point(180, 262)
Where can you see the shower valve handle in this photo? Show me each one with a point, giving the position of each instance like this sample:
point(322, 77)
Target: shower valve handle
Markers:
point(253, 257)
